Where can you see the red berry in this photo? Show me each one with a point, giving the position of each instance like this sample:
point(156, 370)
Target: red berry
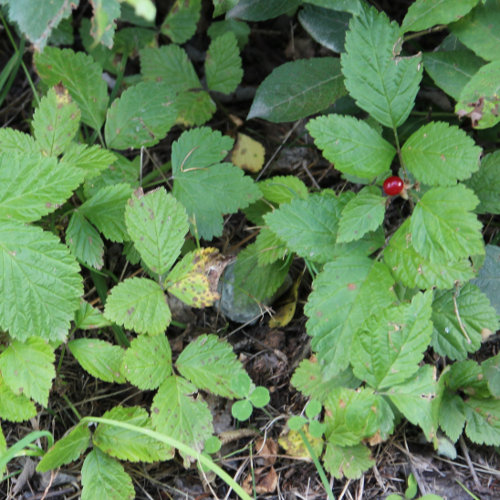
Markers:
point(393, 185)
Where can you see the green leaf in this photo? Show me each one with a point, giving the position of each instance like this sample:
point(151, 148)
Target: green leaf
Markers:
point(104, 477)
point(362, 214)
point(91, 159)
point(157, 224)
point(222, 6)
point(345, 293)
point(129, 445)
point(84, 241)
point(223, 64)
point(488, 278)
point(88, 317)
point(298, 89)
point(491, 372)
point(479, 99)
point(105, 13)
point(197, 171)
point(260, 397)
point(81, 76)
point(452, 415)
point(382, 83)
point(439, 154)
point(269, 247)
point(260, 10)
point(32, 186)
point(240, 29)
point(40, 283)
point(353, 146)
point(55, 121)
point(14, 407)
point(99, 358)
point(3, 449)
point(241, 410)
point(391, 343)
point(138, 304)
point(283, 188)
point(467, 377)
point(14, 141)
point(66, 450)
point(354, 7)
point(180, 23)
point(486, 184)
point(451, 70)
point(195, 107)
point(210, 364)
point(106, 210)
point(424, 14)
point(483, 421)
point(459, 325)
point(348, 461)
point(28, 368)
point(148, 361)
point(141, 116)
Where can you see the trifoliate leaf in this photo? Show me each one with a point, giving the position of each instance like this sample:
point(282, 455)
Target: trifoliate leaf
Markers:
point(84, 241)
point(381, 81)
point(14, 407)
point(141, 116)
point(89, 318)
point(91, 159)
point(81, 76)
point(345, 293)
point(353, 146)
point(452, 415)
point(14, 141)
point(486, 184)
point(148, 361)
point(99, 358)
point(104, 477)
point(66, 450)
point(483, 421)
point(129, 445)
point(138, 304)
point(442, 226)
point(223, 64)
point(488, 279)
point(439, 154)
point(28, 368)
point(347, 461)
point(40, 283)
point(182, 18)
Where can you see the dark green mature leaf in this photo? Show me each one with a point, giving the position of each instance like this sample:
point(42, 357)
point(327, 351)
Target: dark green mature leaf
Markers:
point(40, 283)
point(298, 89)
point(488, 278)
point(383, 83)
point(260, 10)
point(486, 184)
point(14, 407)
point(491, 372)
point(222, 6)
point(452, 415)
point(347, 461)
point(354, 7)
point(467, 377)
point(240, 29)
point(483, 421)
point(182, 18)
point(84, 241)
point(81, 76)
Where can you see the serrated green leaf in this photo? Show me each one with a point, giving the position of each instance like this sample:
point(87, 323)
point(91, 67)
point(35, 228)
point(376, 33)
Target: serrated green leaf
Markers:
point(105, 13)
point(32, 186)
point(40, 283)
point(240, 29)
point(298, 89)
point(452, 415)
point(99, 358)
point(28, 368)
point(260, 10)
point(91, 159)
point(347, 461)
point(439, 154)
point(129, 445)
point(88, 317)
point(460, 320)
point(195, 107)
point(483, 421)
point(14, 407)
point(81, 76)
point(222, 6)
point(157, 224)
point(141, 116)
point(486, 184)
point(383, 83)
point(488, 278)
point(345, 293)
point(180, 23)
point(269, 247)
point(106, 210)
point(55, 121)
point(424, 14)
point(223, 64)
point(148, 361)
point(66, 450)
point(138, 304)
point(491, 372)
point(467, 377)
point(84, 241)
point(283, 188)
point(210, 364)
point(104, 477)
point(353, 146)
point(14, 141)
point(362, 214)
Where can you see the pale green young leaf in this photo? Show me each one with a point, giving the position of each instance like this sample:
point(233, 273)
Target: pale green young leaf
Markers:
point(353, 146)
point(81, 76)
point(488, 278)
point(269, 247)
point(182, 18)
point(144, 11)
point(84, 241)
point(14, 407)
point(88, 317)
point(130, 445)
point(260, 10)
point(66, 450)
point(157, 224)
point(347, 461)
point(14, 141)
point(381, 81)
point(210, 364)
point(444, 228)
point(223, 64)
point(138, 304)
point(195, 107)
point(141, 116)
point(104, 477)
point(298, 89)
point(283, 188)
point(32, 186)
point(486, 184)
point(424, 14)
point(40, 283)
point(55, 121)
point(99, 358)
point(460, 319)
point(106, 210)
point(240, 29)
point(362, 214)
point(439, 154)
point(345, 293)
point(148, 361)
point(28, 368)
point(491, 372)
point(91, 159)
point(452, 415)
point(483, 421)
point(105, 13)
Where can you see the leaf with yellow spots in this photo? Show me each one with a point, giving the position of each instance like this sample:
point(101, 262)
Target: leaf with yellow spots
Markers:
point(248, 154)
point(294, 446)
point(287, 310)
